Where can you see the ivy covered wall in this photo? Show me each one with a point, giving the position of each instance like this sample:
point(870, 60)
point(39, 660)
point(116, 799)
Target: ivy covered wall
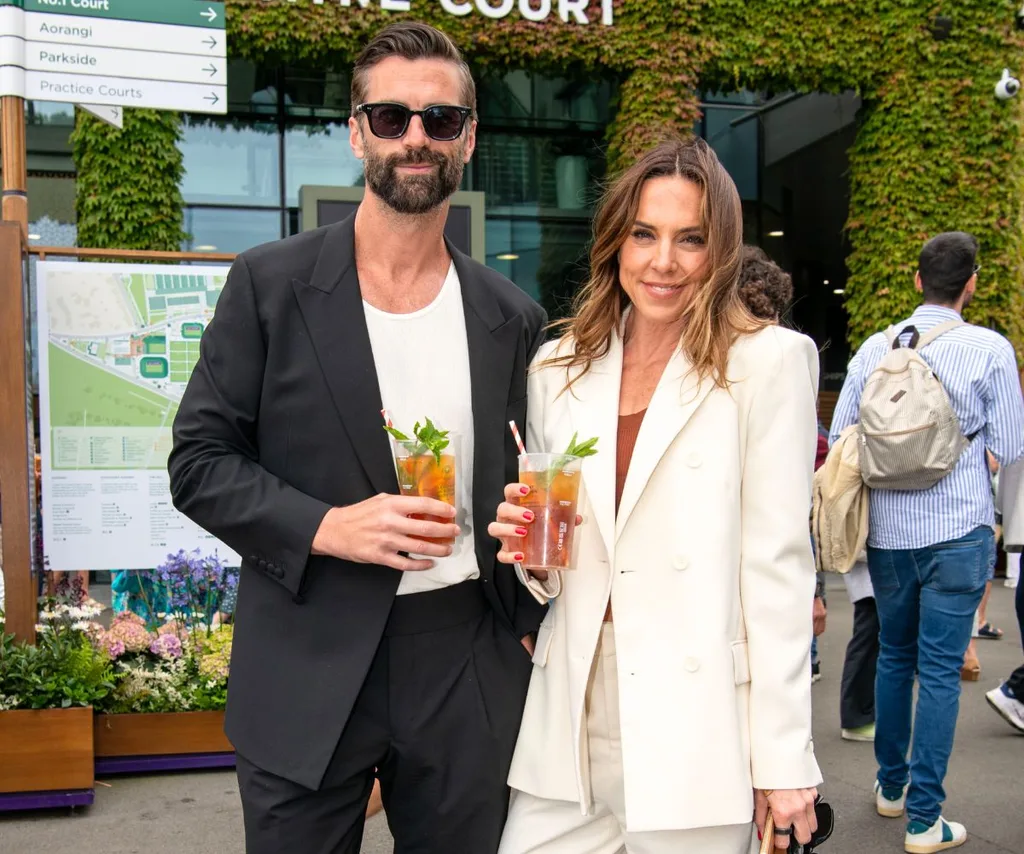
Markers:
point(935, 150)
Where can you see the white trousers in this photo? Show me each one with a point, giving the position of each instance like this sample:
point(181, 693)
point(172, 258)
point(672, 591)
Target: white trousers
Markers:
point(542, 826)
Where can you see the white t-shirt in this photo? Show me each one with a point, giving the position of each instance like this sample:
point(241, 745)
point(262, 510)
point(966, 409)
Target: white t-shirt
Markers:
point(422, 361)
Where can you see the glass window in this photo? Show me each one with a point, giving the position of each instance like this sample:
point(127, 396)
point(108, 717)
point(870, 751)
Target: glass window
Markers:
point(529, 172)
point(733, 134)
point(251, 88)
point(229, 229)
point(546, 258)
point(317, 92)
point(530, 99)
point(49, 113)
point(319, 155)
point(228, 163)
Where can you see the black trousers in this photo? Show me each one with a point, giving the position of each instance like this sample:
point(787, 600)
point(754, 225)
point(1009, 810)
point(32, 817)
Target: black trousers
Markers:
point(1016, 680)
point(857, 700)
point(436, 720)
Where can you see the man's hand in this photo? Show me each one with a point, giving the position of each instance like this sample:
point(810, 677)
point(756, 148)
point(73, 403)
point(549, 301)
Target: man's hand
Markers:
point(820, 616)
point(376, 530)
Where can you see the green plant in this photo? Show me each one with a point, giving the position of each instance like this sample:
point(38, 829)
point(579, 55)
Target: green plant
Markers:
point(128, 194)
point(60, 671)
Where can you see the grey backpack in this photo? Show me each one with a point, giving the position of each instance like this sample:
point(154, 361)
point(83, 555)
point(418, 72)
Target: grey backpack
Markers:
point(909, 436)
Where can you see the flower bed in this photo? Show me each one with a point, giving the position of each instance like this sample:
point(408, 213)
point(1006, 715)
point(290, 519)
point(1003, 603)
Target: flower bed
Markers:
point(157, 675)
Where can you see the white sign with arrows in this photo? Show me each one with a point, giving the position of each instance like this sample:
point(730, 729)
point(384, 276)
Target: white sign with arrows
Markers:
point(96, 58)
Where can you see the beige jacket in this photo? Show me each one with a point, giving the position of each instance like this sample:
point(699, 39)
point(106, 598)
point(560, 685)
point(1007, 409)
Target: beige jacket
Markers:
point(708, 565)
point(839, 516)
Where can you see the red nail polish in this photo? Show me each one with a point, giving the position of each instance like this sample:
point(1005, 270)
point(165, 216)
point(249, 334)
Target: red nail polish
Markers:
point(525, 490)
point(519, 557)
point(522, 532)
point(528, 515)
point(759, 836)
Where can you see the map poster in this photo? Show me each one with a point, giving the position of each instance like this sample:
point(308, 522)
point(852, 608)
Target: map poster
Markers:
point(117, 344)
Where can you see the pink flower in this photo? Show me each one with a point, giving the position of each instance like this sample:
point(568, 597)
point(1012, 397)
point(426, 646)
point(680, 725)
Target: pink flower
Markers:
point(115, 648)
point(130, 630)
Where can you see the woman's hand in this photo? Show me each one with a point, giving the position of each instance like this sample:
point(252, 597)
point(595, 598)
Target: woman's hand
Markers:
point(510, 526)
point(793, 811)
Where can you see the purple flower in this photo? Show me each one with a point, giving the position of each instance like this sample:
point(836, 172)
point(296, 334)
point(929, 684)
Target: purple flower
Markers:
point(115, 648)
point(166, 646)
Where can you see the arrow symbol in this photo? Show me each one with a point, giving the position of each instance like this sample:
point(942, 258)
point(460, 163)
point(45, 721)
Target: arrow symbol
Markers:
point(210, 14)
point(211, 41)
point(211, 68)
point(212, 97)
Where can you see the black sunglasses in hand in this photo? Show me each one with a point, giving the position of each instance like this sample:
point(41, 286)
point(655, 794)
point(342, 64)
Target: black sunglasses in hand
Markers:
point(441, 122)
point(826, 824)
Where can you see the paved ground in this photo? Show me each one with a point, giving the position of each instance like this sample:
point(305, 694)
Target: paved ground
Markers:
point(200, 814)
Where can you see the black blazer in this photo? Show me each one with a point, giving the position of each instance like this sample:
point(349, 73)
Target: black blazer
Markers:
point(281, 421)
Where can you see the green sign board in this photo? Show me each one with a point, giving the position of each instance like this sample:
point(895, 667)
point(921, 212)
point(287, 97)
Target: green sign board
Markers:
point(192, 13)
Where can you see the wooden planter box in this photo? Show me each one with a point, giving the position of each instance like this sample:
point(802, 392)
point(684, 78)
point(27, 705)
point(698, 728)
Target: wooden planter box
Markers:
point(49, 750)
point(161, 742)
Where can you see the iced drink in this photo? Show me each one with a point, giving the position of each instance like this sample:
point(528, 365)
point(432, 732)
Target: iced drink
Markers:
point(422, 474)
point(554, 481)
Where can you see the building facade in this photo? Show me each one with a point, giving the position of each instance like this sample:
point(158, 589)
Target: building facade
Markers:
point(841, 177)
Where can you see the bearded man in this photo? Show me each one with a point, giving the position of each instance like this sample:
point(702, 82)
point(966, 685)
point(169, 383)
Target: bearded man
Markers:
point(369, 640)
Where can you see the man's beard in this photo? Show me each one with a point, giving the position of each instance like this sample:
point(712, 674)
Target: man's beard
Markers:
point(414, 194)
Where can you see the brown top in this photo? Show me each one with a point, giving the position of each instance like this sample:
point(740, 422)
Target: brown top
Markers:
point(625, 441)
point(629, 427)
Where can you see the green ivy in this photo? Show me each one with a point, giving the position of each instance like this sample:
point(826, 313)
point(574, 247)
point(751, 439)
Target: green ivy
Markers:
point(129, 181)
point(935, 150)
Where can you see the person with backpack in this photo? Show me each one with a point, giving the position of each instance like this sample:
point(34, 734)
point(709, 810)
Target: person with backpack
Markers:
point(928, 396)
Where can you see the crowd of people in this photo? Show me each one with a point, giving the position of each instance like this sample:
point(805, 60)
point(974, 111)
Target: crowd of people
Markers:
point(656, 697)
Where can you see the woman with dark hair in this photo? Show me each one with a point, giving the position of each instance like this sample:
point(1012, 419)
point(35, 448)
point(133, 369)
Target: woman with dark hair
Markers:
point(672, 673)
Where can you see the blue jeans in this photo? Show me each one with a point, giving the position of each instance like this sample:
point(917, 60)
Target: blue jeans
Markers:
point(926, 602)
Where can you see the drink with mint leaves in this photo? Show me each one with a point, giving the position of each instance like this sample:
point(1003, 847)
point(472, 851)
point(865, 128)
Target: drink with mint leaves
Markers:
point(426, 467)
point(554, 481)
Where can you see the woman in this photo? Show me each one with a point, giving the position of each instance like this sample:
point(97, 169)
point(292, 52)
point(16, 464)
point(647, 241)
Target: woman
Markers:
point(672, 672)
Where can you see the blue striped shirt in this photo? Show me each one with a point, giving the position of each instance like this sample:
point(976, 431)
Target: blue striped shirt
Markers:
point(978, 369)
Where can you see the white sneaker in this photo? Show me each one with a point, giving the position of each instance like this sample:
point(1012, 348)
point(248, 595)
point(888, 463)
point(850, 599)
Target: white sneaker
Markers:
point(921, 839)
point(1011, 583)
point(1010, 708)
point(890, 807)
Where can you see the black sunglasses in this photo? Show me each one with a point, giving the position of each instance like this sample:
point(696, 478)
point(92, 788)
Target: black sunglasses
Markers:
point(826, 824)
point(442, 122)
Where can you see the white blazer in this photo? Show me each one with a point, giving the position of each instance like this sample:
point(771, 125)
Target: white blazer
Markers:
point(709, 568)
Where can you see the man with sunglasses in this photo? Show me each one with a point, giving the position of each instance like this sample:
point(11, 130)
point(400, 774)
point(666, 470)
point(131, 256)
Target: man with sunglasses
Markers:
point(370, 639)
point(929, 550)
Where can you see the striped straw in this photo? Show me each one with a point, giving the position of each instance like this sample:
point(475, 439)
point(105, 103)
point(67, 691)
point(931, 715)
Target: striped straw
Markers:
point(519, 441)
point(387, 418)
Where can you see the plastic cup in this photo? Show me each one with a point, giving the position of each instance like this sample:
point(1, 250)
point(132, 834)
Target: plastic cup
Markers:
point(554, 481)
point(423, 475)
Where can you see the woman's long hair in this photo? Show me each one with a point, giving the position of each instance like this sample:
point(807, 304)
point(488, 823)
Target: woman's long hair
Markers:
point(714, 314)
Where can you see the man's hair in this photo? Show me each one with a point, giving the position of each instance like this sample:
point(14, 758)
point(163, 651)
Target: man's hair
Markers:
point(410, 40)
point(946, 266)
point(766, 289)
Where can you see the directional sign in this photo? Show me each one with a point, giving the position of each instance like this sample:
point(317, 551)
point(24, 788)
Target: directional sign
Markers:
point(116, 62)
point(111, 115)
point(188, 12)
point(100, 52)
point(128, 34)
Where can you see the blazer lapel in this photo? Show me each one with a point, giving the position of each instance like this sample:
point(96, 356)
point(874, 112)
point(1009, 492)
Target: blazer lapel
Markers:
point(332, 307)
point(676, 398)
point(594, 410)
point(492, 340)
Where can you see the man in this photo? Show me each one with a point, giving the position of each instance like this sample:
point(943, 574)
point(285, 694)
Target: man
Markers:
point(928, 550)
point(358, 645)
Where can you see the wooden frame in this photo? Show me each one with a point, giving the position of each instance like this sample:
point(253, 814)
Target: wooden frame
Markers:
point(46, 750)
point(168, 734)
